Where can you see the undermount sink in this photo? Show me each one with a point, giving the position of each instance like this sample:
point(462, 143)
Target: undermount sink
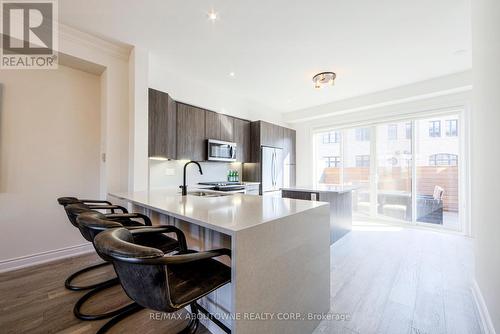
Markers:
point(206, 194)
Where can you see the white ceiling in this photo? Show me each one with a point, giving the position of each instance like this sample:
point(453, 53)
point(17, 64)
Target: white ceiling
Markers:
point(274, 47)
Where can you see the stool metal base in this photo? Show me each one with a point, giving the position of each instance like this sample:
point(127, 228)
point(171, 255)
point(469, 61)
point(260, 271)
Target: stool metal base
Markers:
point(88, 317)
point(68, 283)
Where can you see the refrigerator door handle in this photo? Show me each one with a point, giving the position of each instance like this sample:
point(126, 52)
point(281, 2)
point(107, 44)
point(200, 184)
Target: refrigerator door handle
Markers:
point(275, 173)
point(272, 169)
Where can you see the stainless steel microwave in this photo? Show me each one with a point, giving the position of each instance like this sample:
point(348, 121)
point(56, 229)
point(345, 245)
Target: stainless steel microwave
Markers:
point(219, 150)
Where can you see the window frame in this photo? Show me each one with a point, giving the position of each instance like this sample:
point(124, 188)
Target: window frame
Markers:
point(432, 129)
point(335, 159)
point(449, 131)
point(392, 131)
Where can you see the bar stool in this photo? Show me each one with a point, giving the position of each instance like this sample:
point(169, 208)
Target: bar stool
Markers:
point(162, 282)
point(90, 224)
point(73, 207)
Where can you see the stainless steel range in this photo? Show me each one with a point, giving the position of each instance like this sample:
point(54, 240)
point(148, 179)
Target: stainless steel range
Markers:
point(224, 186)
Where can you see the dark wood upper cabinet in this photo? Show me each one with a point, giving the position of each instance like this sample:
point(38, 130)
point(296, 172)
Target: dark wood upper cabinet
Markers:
point(212, 125)
point(219, 126)
point(242, 139)
point(226, 128)
point(190, 133)
point(271, 134)
point(179, 131)
point(289, 142)
point(162, 124)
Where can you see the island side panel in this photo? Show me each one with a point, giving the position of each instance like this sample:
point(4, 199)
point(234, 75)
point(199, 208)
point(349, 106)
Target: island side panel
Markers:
point(340, 213)
point(282, 266)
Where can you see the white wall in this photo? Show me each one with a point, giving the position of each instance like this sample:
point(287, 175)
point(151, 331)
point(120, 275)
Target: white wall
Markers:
point(49, 146)
point(485, 120)
point(138, 120)
point(110, 62)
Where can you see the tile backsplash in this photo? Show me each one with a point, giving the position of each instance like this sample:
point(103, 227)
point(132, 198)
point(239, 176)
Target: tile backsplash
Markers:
point(164, 174)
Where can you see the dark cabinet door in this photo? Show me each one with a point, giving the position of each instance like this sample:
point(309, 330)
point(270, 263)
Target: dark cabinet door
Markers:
point(289, 142)
point(162, 124)
point(190, 133)
point(226, 128)
point(266, 133)
point(242, 139)
point(219, 127)
point(212, 125)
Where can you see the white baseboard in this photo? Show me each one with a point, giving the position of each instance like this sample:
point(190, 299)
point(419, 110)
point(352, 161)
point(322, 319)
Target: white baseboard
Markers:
point(34, 259)
point(486, 322)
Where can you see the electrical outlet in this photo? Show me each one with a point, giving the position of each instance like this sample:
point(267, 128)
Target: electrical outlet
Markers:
point(169, 171)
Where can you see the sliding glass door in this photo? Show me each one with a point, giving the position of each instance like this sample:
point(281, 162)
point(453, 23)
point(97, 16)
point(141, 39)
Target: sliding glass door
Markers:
point(437, 171)
point(404, 171)
point(394, 170)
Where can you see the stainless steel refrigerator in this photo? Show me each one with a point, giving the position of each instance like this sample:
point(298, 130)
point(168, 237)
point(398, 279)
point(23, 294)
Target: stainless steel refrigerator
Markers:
point(271, 169)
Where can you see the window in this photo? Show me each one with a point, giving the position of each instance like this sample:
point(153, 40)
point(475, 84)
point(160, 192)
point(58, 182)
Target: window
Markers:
point(435, 129)
point(332, 162)
point(331, 137)
point(452, 128)
point(392, 131)
point(443, 159)
point(362, 161)
point(408, 130)
point(362, 134)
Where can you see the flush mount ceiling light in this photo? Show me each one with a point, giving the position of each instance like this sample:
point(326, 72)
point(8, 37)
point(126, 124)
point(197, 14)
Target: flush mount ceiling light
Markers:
point(212, 15)
point(324, 79)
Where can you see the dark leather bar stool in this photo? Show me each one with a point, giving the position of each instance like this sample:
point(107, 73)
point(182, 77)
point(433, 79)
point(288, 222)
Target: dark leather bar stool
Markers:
point(90, 224)
point(91, 203)
point(83, 206)
point(159, 281)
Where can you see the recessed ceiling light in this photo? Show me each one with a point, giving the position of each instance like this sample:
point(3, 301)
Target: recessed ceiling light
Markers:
point(231, 74)
point(212, 15)
point(324, 79)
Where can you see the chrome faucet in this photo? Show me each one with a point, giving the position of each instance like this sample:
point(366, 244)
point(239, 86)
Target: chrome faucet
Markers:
point(184, 185)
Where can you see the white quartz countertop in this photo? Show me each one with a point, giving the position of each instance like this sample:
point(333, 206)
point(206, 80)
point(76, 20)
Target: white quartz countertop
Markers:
point(225, 214)
point(322, 188)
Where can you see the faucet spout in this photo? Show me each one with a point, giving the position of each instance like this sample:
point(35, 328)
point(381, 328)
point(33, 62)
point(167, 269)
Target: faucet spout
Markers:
point(184, 185)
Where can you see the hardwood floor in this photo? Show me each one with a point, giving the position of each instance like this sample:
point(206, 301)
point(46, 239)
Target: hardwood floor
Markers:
point(34, 300)
point(387, 279)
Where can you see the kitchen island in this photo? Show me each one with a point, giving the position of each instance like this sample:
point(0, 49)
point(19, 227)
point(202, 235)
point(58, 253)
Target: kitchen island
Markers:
point(340, 199)
point(280, 262)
